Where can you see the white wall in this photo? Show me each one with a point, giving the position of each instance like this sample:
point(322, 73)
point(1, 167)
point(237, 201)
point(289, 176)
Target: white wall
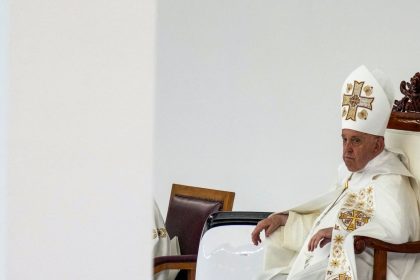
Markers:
point(80, 139)
point(248, 91)
point(4, 29)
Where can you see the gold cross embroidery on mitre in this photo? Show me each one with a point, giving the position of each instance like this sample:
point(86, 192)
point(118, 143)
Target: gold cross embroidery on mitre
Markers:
point(353, 219)
point(355, 101)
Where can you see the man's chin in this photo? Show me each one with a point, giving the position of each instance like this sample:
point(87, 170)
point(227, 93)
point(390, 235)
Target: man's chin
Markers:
point(352, 169)
point(350, 166)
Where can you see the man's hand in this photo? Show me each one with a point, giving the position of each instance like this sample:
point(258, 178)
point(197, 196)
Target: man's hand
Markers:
point(322, 237)
point(269, 224)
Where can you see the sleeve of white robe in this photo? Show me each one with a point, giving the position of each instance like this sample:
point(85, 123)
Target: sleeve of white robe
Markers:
point(283, 245)
point(297, 228)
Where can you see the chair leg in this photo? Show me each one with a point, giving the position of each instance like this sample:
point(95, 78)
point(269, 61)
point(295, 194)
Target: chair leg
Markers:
point(191, 274)
point(379, 264)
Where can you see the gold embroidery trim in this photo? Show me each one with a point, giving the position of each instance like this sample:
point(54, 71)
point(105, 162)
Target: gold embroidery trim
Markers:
point(357, 210)
point(159, 232)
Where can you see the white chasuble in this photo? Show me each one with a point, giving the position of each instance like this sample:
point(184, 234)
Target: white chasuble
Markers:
point(163, 245)
point(379, 202)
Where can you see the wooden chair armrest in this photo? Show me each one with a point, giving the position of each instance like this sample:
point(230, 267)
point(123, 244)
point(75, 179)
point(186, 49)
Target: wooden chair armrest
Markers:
point(381, 250)
point(361, 242)
point(187, 262)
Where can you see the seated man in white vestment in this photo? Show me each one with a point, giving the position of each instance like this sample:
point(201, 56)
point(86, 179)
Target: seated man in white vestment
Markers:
point(373, 198)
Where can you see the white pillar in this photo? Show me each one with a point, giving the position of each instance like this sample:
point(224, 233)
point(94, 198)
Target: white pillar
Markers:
point(80, 139)
point(4, 28)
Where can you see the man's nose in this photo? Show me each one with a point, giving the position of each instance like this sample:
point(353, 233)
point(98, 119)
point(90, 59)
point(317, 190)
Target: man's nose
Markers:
point(347, 147)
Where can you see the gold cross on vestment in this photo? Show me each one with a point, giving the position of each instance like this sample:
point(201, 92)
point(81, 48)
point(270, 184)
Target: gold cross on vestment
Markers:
point(355, 101)
point(353, 219)
point(343, 276)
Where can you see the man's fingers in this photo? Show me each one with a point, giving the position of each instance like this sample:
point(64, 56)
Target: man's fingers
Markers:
point(322, 237)
point(256, 231)
point(324, 242)
point(255, 235)
point(316, 242)
point(269, 224)
point(313, 243)
point(256, 239)
point(269, 230)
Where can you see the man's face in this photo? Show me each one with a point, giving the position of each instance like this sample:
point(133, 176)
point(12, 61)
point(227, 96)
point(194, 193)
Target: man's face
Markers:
point(359, 148)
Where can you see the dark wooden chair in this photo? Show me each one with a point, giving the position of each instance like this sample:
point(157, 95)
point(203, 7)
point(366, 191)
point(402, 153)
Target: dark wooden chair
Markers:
point(404, 133)
point(189, 208)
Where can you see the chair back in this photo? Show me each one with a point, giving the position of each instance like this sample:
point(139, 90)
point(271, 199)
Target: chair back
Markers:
point(409, 143)
point(189, 208)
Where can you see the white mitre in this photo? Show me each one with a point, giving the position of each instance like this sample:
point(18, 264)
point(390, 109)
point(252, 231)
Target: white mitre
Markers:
point(366, 101)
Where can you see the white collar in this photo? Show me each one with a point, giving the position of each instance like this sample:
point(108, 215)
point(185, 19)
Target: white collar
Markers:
point(386, 162)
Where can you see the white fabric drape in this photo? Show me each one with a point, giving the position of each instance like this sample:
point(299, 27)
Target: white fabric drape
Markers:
point(163, 245)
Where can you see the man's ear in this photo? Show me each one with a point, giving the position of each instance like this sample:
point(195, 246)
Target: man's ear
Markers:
point(379, 145)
